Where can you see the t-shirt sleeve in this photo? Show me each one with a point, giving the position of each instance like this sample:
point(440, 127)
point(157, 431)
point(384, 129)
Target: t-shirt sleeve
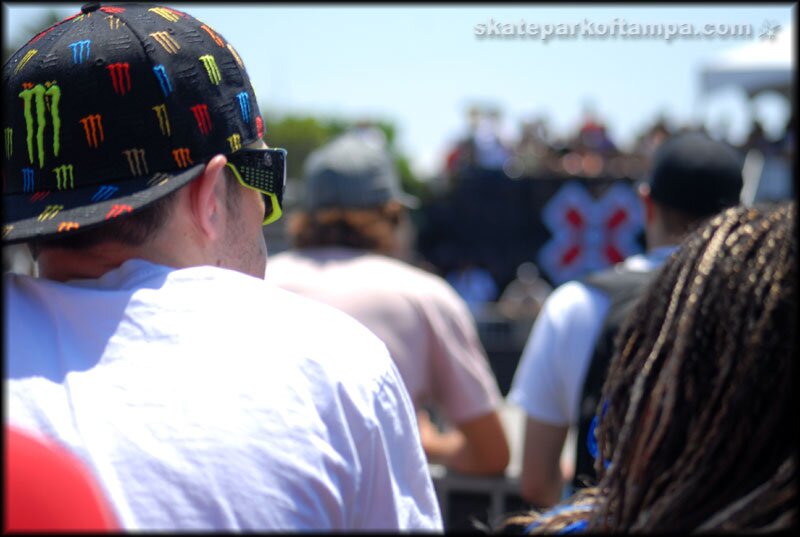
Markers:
point(549, 376)
point(462, 380)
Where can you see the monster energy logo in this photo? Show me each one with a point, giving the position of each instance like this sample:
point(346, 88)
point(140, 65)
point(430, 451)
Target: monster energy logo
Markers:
point(163, 119)
point(104, 192)
point(166, 13)
point(25, 59)
point(244, 105)
point(136, 161)
point(211, 68)
point(161, 75)
point(117, 210)
point(113, 22)
point(235, 55)
point(213, 35)
point(80, 50)
point(158, 179)
point(92, 125)
point(64, 177)
point(120, 77)
point(68, 226)
point(202, 117)
point(50, 212)
point(27, 179)
point(182, 157)
point(38, 91)
point(236, 142)
point(9, 141)
point(260, 126)
point(166, 41)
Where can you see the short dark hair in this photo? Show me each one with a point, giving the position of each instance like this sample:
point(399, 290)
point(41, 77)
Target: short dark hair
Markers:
point(131, 230)
point(679, 223)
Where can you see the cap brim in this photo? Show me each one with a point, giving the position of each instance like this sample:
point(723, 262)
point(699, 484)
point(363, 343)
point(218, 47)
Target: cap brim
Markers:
point(46, 214)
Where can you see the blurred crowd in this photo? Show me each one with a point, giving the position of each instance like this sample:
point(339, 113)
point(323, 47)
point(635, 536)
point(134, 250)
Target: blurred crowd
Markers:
point(590, 151)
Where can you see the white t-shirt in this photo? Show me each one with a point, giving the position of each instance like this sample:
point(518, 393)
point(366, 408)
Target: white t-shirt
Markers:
point(549, 378)
point(205, 399)
point(427, 327)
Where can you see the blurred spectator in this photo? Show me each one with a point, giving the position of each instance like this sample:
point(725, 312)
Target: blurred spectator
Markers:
point(594, 138)
point(474, 283)
point(648, 142)
point(344, 242)
point(524, 296)
point(533, 148)
point(562, 367)
point(697, 429)
point(491, 150)
point(483, 147)
point(461, 157)
point(757, 140)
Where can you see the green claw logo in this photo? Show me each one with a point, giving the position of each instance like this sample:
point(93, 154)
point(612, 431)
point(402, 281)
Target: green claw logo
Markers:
point(46, 97)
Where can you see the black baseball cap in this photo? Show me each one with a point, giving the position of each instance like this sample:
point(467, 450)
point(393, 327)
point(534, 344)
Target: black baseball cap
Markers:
point(113, 108)
point(696, 175)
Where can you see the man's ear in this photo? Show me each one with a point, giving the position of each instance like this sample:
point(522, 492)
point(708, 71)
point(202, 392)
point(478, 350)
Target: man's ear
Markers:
point(647, 202)
point(207, 198)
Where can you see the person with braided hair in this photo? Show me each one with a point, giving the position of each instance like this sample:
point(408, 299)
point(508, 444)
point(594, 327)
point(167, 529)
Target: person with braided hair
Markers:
point(696, 428)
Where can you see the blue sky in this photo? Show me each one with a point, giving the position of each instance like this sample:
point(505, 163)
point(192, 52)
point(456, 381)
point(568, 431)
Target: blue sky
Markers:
point(422, 67)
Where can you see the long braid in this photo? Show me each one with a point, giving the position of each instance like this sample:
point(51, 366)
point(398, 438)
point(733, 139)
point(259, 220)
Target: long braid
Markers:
point(699, 429)
point(713, 366)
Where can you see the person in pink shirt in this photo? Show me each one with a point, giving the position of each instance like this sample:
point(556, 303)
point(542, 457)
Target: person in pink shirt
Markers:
point(346, 240)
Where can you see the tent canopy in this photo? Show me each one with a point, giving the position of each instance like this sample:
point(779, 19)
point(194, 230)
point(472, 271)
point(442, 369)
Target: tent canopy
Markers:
point(764, 65)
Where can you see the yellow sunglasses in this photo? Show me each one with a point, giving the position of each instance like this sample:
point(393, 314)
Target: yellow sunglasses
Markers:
point(263, 170)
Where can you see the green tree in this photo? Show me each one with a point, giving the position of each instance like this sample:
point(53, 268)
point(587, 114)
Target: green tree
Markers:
point(299, 135)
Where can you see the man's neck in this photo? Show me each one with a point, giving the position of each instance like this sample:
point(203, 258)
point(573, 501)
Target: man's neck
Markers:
point(657, 238)
point(62, 265)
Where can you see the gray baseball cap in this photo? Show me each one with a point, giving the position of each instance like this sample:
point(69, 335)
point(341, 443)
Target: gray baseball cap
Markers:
point(354, 170)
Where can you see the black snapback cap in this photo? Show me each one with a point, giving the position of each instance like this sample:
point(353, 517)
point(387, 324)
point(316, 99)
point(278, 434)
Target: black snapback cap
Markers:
point(112, 109)
point(696, 175)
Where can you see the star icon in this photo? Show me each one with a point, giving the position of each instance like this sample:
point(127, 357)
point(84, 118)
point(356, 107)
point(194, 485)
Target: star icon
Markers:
point(769, 30)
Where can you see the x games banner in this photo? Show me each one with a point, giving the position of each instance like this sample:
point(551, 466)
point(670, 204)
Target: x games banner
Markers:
point(568, 227)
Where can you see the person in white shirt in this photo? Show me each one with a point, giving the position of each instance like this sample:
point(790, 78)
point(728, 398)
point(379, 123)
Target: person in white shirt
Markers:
point(693, 178)
point(201, 397)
